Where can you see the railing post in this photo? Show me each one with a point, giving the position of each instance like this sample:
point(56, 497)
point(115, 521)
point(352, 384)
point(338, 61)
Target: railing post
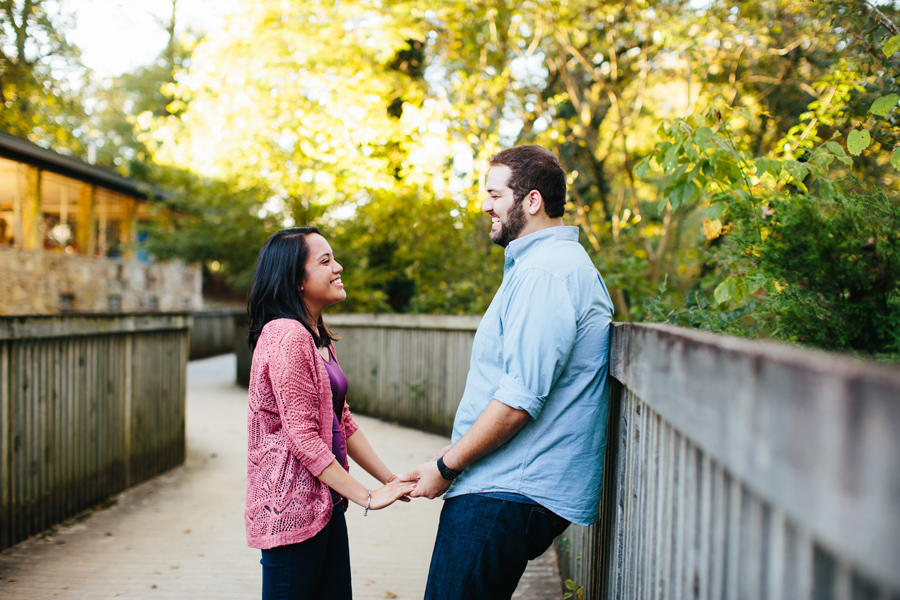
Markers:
point(5, 450)
point(129, 397)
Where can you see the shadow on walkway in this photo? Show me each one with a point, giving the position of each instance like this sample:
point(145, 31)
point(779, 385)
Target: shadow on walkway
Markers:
point(181, 534)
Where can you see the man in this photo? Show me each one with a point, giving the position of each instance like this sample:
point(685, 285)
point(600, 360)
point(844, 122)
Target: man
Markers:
point(530, 430)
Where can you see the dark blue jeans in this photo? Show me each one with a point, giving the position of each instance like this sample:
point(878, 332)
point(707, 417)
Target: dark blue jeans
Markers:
point(317, 569)
point(483, 545)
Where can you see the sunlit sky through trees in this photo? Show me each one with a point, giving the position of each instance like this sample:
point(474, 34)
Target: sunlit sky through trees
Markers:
point(116, 36)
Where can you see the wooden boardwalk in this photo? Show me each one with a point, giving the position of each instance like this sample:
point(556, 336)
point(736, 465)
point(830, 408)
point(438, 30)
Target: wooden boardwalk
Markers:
point(181, 535)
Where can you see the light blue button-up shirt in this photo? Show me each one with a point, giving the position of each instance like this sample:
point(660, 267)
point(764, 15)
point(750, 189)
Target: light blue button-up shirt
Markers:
point(543, 347)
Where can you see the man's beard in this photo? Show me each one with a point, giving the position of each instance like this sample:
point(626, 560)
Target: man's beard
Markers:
point(515, 223)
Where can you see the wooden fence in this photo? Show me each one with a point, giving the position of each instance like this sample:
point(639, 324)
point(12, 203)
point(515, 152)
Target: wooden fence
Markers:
point(213, 332)
point(89, 405)
point(734, 469)
point(409, 369)
point(737, 469)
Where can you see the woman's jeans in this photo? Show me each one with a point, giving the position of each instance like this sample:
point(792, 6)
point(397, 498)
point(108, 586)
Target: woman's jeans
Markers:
point(484, 544)
point(316, 569)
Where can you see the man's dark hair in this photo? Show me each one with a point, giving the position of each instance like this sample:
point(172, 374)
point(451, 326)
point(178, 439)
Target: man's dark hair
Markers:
point(535, 168)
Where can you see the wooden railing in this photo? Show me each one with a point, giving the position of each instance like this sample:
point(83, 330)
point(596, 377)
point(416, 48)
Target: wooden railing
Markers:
point(89, 405)
point(734, 469)
point(738, 469)
point(213, 331)
point(408, 369)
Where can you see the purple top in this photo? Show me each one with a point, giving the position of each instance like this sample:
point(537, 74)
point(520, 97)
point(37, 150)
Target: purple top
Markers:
point(338, 382)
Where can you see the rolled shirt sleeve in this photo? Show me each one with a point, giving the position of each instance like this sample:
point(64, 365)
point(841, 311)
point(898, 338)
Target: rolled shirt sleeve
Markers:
point(536, 343)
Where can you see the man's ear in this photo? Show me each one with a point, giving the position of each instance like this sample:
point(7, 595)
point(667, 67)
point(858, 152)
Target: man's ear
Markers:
point(533, 202)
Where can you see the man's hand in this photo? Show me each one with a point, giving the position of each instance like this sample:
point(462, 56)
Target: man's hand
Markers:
point(429, 482)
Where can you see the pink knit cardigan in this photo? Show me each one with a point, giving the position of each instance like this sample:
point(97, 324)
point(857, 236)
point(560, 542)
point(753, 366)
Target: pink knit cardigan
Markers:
point(289, 441)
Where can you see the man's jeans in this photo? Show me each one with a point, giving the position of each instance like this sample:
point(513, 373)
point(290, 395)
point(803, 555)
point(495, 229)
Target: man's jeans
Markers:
point(483, 545)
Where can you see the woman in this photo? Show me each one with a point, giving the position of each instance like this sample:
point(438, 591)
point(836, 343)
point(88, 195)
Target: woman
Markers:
point(300, 429)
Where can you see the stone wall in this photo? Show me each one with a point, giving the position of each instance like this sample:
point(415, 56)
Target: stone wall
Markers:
point(34, 282)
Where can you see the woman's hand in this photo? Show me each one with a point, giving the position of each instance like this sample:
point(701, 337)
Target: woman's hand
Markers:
point(404, 498)
point(391, 492)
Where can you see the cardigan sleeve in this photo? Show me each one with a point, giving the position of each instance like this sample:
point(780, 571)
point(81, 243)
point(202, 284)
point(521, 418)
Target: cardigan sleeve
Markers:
point(347, 423)
point(296, 394)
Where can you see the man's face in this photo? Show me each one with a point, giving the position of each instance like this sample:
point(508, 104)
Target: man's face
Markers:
point(507, 216)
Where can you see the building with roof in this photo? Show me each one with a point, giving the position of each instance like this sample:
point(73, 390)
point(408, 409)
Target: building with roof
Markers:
point(69, 239)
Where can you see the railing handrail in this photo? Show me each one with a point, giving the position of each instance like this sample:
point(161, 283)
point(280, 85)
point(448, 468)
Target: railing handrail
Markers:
point(405, 321)
point(817, 361)
point(813, 433)
point(220, 310)
point(89, 324)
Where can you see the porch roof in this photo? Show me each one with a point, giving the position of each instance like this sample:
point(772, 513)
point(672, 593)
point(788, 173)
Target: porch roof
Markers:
point(21, 150)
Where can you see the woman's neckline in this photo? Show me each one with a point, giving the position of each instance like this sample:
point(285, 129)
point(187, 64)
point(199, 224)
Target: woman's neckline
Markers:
point(324, 357)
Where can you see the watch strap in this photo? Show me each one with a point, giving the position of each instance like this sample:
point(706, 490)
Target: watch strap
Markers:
point(446, 472)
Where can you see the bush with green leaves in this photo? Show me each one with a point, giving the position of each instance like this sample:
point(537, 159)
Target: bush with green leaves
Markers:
point(835, 265)
point(820, 272)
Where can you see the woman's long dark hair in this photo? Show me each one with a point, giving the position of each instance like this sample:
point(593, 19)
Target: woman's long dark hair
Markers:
point(276, 294)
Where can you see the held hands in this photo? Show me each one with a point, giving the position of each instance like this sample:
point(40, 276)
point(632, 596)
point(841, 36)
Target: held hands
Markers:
point(429, 483)
point(390, 492)
point(402, 498)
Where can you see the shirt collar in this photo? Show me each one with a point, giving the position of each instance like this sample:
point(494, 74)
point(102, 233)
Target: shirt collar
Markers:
point(519, 247)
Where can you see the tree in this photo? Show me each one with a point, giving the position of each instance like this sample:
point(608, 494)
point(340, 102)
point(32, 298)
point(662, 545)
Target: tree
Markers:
point(591, 81)
point(303, 106)
point(798, 249)
point(40, 76)
point(361, 116)
point(322, 107)
point(413, 256)
point(120, 103)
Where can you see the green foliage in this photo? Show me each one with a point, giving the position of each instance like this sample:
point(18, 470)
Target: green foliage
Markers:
point(884, 104)
point(209, 221)
point(574, 590)
point(120, 102)
point(39, 76)
point(836, 266)
point(826, 274)
point(858, 140)
point(374, 120)
point(822, 270)
point(791, 254)
point(294, 97)
point(414, 256)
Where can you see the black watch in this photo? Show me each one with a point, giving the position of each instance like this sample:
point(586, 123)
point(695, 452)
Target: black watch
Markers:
point(446, 472)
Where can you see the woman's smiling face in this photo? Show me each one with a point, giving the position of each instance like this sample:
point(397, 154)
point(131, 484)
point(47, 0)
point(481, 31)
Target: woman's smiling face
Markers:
point(322, 286)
